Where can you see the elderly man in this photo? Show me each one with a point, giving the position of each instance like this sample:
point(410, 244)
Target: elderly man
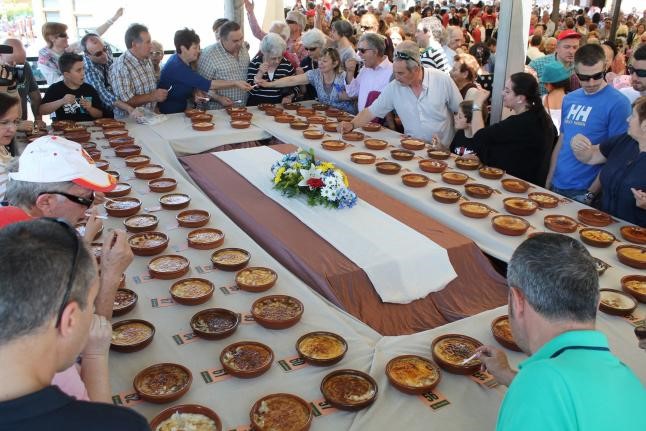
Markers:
point(375, 73)
point(637, 71)
point(571, 379)
point(432, 53)
point(27, 88)
point(424, 98)
point(226, 60)
point(48, 282)
point(454, 41)
point(132, 75)
point(566, 45)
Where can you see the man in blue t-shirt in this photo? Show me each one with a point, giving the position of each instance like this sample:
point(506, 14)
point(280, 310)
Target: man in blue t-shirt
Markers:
point(597, 111)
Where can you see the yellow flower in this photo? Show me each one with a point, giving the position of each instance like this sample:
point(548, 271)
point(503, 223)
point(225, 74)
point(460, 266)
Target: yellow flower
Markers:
point(325, 166)
point(279, 174)
point(345, 178)
point(296, 165)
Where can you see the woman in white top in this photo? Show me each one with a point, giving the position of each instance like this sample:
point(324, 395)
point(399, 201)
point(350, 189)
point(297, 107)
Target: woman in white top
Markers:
point(557, 81)
point(9, 119)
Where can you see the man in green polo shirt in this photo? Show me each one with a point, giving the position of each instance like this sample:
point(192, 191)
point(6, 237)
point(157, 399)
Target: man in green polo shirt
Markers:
point(571, 381)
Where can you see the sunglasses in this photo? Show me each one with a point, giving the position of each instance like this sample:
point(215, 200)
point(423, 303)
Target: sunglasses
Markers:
point(595, 77)
point(62, 35)
point(363, 50)
point(289, 21)
point(99, 53)
point(403, 56)
point(639, 72)
point(314, 48)
point(366, 27)
point(76, 199)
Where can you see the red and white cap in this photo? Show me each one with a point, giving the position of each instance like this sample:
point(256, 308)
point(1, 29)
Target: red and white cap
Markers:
point(52, 159)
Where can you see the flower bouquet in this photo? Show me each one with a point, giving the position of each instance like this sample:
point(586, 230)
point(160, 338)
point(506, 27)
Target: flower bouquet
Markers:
point(322, 183)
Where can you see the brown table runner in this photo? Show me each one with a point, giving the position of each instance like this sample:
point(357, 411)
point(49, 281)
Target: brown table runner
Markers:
point(478, 286)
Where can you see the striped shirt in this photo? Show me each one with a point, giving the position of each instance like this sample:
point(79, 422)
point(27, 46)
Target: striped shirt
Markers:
point(435, 57)
point(132, 77)
point(270, 95)
point(97, 75)
point(215, 62)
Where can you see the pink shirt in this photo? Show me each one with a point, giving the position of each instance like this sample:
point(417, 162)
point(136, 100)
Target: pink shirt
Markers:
point(70, 382)
point(369, 80)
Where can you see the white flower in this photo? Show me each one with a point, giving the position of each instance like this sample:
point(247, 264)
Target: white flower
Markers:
point(312, 172)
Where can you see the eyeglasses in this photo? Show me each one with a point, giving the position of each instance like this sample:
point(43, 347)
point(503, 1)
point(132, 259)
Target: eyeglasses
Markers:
point(595, 77)
point(5, 124)
point(76, 199)
point(62, 35)
point(99, 53)
point(366, 27)
point(310, 49)
point(70, 280)
point(289, 21)
point(363, 50)
point(639, 72)
point(157, 53)
point(404, 56)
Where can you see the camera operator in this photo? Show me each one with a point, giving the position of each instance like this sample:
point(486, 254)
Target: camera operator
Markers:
point(24, 80)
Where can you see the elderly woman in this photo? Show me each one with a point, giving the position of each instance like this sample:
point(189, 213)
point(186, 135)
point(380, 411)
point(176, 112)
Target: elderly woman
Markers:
point(328, 81)
point(156, 57)
point(623, 176)
point(464, 74)
point(269, 65)
point(313, 42)
point(9, 119)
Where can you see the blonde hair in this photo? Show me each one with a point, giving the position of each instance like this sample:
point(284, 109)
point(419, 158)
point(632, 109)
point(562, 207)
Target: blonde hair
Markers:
point(52, 29)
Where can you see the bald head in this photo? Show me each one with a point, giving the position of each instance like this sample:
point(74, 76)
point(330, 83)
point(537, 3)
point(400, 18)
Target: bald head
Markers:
point(19, 55)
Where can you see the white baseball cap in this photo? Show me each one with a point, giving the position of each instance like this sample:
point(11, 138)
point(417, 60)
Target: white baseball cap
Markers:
point(51, 159)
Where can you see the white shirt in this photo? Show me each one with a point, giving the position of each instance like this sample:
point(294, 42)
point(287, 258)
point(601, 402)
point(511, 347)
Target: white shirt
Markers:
point(533, 52)
point(450, 54)
point(429, 114)
point(368, 80)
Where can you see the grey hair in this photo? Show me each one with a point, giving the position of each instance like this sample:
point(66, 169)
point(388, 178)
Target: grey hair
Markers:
point(313, 38)
point(281, 28)
point(557, 275)
point(272, 45)
point(24, 194)
point(374, 41)
point(410, 48)
point(426, 26)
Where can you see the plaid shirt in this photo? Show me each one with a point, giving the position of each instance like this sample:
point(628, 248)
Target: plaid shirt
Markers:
point(97, 75)
point(216, 63)
point(132, 77)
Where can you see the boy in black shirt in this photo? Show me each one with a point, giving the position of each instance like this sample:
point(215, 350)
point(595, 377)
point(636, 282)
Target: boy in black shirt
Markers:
point(71, 98)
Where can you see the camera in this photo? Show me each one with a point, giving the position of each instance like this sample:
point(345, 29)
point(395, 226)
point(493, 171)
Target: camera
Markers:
point(10, 75)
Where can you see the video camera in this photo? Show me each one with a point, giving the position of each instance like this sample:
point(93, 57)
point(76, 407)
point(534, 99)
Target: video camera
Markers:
point(10, 75)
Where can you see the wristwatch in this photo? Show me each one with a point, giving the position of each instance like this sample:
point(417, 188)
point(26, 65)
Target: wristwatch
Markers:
point(475, 107)
point(589, 197)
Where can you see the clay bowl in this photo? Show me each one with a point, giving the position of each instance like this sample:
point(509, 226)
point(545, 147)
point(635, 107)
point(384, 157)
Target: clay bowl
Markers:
point(333, 145)
point(149, 172)
point(375, 144)
point(62, 125)
point(273, 111)
point(403, 155)
point(353, 136)
point(509, 225)
point(363, 158)
point(141, 223)
point(291, 106)
point(474, 209)
point(192, 291)
point(515, 185)
point(446, 195)
point(415, 180)
point(205, 238)
point(632, 255)
point(399, 370)
point(455, 178)
point(215, 323)
point(360, 382)
point(190, 113)
point(317, 119)
point(114, 133)
point(131, 335)
point(115, 174)
point(388, 168)
point(467, 164)
point(94, 153)
point(240, 124)
point(277, 311)
point(237, 110)
point(124, 140)
point(299, 125)
point(203, 126)
point(438, 154)
point(102, 164)
point(124, 301)
point(185, 409)
point(284, 118)
point(101, 121)
point(230, 259)
point(432, 166)
point(201, 118)
point(174, 201)
point(462, 346)
point(78, 136)
point(520, 206)
point(313, 134)
point(320, 107)
point(633, 234)
point(321, 348)
point(544, 200)
point(491, 173)
point(560, 223)
point(305, 112)
point(479, 191)
point(594, 217)
point(616, 302)
point(242, 116)
point(251, 359)
point(371, 127)
point(137, 160)
point(74, 128)
point(264, 106)
point(333, 112)
point(330, 126)
point(122, 207)
point(501, 331)
point(299, 412)
point(168, 267)
point(193, 218)
point(120, 190)
point(112, 124)
point(162, 185)
point(148, 243)
point(175, 376)
point(127, 150)
point(413, 144)
point(596, 237)
point(256, 279)
point(635, 285)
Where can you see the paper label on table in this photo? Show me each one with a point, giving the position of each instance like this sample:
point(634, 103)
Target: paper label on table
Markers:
point(186, 337)
point(203, 269)
point(635, 320)
point(141, 278)
point(228, 290)
point(292, 363)
point(177, 248)
point(162, 302)
point(484, 378)
point(126, 399)
point(434, 399)
point(247, 318)
point(321, 407)
point(214, 375)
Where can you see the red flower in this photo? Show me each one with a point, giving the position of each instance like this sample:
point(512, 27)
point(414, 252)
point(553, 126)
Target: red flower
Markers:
point(315, 183)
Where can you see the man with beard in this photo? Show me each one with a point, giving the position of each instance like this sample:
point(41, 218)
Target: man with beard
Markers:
point(637, 71)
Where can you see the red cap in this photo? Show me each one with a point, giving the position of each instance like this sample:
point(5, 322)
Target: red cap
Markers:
point(568, 34)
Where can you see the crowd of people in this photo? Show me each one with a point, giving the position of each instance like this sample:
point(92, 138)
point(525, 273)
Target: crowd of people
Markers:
point(577, 126)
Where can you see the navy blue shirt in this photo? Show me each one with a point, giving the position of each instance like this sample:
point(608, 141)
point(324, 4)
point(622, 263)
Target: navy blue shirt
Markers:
point(625, 168)
point(184, 80)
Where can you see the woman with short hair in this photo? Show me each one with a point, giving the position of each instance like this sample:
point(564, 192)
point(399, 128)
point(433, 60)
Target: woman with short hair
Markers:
point(464, 74)
point(313, 41)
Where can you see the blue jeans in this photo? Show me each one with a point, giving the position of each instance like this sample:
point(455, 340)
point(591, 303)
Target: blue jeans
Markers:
point(575, 194)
